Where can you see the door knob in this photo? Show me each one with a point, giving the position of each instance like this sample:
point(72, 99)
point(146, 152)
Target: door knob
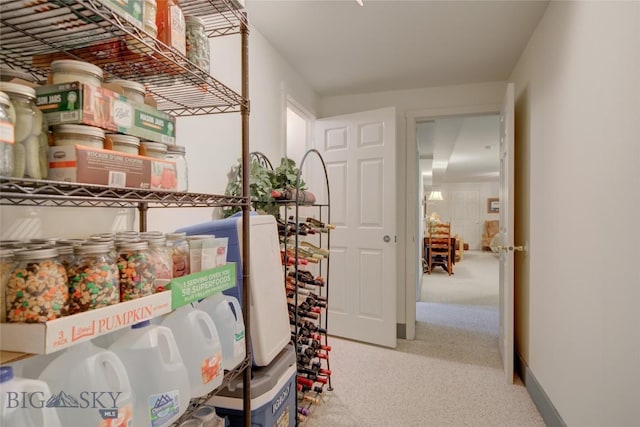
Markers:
point(386, 238)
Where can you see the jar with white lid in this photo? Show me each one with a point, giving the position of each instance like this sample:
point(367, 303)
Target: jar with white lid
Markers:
point(134, 91)
point(157, 150)
point(177, 242)
point(6, 266)
point(137, 273)
point(7, 135)
point(94, 279)
point(160, 255)
point(149, 12)
point(70, 70)
point(88, 136)
point(123, 143)
point(176, 153)
point(29, 132)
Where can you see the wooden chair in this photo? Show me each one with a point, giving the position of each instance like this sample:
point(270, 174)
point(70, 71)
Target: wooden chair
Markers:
point(440, 247)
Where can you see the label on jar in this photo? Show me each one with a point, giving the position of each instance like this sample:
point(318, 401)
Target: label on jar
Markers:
point(178, 32)
point(7, 134)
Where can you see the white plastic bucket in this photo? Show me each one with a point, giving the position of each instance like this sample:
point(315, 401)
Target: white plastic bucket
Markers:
point(90, 386)
point(158, 376)
point(200, 348)
point(227, 316)
point(24, 402)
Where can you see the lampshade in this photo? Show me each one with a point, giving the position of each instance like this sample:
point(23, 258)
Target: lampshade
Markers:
point(435, 195)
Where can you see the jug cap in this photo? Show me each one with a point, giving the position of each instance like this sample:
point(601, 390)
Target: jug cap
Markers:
point(142, 324)
point(6, 374)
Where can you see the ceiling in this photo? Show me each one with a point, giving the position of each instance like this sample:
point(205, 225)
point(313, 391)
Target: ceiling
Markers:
point(340, 48)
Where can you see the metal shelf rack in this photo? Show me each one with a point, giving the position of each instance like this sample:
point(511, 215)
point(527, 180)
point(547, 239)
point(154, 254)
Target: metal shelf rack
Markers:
point(33, 34)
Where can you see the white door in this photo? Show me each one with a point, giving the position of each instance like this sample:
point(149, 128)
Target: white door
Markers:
point(360, 155)
point(506, 232)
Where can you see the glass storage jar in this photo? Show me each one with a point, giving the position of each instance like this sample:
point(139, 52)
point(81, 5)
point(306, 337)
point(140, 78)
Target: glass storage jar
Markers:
point(176, 153)
point(197, 43)
point(89, 136)
point(160, 256)
point(70, 70)
point(7, 135)
point(149, 13)
point(31, 148)
point(122, 143)
point(177, 243)
point(7, 263)
point(136, 271)
point(37, 287)
point(157, 150)
point(94, 279)
point(134, 91)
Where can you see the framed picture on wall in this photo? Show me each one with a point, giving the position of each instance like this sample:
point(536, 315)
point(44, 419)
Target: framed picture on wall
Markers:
point(493, 205)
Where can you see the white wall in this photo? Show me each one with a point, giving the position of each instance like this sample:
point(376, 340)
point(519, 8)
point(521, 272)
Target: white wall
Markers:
point(406, 102)
point(577, 130)
point(212, 143)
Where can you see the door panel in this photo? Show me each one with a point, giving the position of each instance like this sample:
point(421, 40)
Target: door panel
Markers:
point(507, 146)
point(359, 152)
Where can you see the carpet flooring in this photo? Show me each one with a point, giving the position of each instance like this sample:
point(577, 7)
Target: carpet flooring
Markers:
point(450, 375)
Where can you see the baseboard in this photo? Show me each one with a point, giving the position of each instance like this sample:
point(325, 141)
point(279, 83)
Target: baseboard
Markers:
point(401, 330)
point(548, 412)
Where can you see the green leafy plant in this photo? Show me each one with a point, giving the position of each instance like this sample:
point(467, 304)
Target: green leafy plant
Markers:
point(262, 182)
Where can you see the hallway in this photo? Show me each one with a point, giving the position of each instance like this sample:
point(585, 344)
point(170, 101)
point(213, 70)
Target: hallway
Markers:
point(451, 375)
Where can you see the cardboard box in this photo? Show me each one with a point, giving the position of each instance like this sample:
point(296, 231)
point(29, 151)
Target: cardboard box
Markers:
point(196, 286)
point(131, 10)
point(78, 103)
point(54, 335)
point(77, 163)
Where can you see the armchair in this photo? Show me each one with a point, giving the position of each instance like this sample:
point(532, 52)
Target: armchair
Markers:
point(491, 228)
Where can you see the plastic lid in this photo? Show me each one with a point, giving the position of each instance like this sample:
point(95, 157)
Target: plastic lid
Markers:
point(205, 413)
point(6, 373)
point(63, 65)
point(17, 89)
point(176, 149)
point(80, 130)
point(142, 324)
point(8, 74)
point(193, 20)
point(178, 235)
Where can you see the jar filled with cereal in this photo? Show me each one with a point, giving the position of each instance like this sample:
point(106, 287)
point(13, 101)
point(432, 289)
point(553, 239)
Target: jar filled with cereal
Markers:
point(37, 287)
point(94, 279)
point(177, 243)
point(161, 257)
point(136, 271)
point(7, 263)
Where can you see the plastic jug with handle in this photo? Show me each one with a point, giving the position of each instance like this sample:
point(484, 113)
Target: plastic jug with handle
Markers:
point(227, 316)
point(90, 387)
point(24, 402)
point(158, 376)
point(199, 344)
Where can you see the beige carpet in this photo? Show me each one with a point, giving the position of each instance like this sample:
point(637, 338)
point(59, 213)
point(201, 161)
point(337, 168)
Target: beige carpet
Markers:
point(451, 375)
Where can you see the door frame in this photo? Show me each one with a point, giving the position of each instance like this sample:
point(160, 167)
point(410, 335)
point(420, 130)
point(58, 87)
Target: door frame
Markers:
point(413, 265)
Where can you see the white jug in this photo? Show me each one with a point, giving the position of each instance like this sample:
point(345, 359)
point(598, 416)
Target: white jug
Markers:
point(90, 386)
point(227, 316)
point(158, 376)
point(199, 344)
point(24, 402)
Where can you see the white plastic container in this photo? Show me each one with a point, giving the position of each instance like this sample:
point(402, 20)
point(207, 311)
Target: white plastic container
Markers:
point(24, 402)
point(158, 376)
point(70, 70)
point(200, 348)
point(93, 378)
point(227, 316)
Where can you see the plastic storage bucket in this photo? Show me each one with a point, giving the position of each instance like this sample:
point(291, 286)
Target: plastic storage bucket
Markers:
point(200, 348)
point(158, 376)
point(227, 316)
point(24, 402)
point(89, 384)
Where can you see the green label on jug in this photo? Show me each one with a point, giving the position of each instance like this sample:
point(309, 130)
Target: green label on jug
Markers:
point(196, 286)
